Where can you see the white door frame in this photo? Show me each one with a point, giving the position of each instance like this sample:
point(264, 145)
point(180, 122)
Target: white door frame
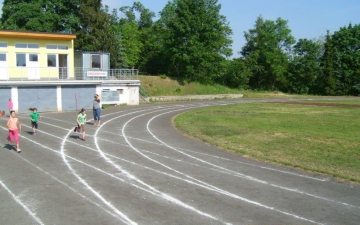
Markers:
point(4, 69)
point(33, 66)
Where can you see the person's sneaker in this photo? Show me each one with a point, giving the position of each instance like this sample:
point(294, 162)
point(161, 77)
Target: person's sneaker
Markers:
point(18, 150)
point(34, 133)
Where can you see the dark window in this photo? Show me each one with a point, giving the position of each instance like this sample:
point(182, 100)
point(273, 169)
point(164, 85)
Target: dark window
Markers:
point(63, 47)
point(20, 45)
point(20, 59)
point(33, 45)
point(33, 57)
point(51, 46)
point(96, 61)
point(51, 59)
point(2, 57)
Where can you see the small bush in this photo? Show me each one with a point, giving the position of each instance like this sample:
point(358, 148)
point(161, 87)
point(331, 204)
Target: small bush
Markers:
point(163, 76)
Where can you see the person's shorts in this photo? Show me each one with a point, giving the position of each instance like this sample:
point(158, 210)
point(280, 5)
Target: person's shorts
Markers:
point(82, 127)
point(34, 124)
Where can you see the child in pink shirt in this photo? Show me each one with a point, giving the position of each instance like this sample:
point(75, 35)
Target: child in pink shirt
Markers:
point(10, 105)
point(14, 127)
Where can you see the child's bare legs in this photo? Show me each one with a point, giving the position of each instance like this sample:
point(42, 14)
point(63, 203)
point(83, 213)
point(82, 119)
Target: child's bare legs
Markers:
point(83, 132)
point(15, 135)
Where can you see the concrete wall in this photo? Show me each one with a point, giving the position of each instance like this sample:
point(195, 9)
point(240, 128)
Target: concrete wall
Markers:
point(66, 95)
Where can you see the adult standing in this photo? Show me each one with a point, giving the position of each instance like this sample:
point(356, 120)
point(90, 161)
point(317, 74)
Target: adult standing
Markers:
point(96, 110)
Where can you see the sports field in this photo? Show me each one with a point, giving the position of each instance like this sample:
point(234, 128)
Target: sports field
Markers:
point(136, 168)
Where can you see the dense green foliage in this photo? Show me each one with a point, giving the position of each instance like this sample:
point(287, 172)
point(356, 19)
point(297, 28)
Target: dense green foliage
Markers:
point(191, 41)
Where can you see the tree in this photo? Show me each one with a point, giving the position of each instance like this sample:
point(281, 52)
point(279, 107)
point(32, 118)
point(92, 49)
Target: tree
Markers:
point(267, 53)
point(304, 67)
point(195, 39)
point(130, 35)
point(326, 82)
point(42, 16)
point(134, 32)
point(237, 74)
point(346, 45)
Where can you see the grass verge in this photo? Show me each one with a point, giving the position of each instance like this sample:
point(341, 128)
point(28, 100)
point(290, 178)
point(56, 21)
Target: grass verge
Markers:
point(314, 138)
point(166, 86)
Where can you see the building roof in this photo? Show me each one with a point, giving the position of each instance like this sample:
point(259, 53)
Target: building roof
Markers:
point(36, 35)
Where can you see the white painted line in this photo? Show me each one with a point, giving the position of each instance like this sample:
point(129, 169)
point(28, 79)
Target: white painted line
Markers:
point(123, 217)
point(72, 189)
point(210, 186)
point(151, 188)
point(17, 199)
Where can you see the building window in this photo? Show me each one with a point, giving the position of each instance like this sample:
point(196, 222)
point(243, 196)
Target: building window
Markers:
point(63, 47)
point(33, 45)
point(20, 59)
point(25, 45)
point(96, 61)
point(20, 45)
point(3, 45)
point(51, 60)
point(2, 57)
point(59, 47)
point(51, 46)
point(33, 57)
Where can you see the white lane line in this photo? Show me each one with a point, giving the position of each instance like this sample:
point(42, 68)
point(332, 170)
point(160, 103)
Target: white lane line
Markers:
point(95, 168)
point(221, 191)
point(159, 194)
point(72, 189)
point(18, 200)
point(209, 185)
point(123, 217)
point(274, 185)
point(132, 177)
point(229, 172)
point(257, 166)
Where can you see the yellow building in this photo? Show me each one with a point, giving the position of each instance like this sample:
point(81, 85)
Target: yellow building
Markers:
point(36, 55)
point(42, 70)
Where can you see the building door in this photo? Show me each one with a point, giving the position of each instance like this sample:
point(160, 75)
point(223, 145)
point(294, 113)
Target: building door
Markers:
point(4, 73)
point(44, 98)
point(33, 66)
point(63, 66)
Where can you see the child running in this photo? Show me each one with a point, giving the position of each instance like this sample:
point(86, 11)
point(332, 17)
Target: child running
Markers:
point(81, 121)
point(14, 127)
point(34, 117)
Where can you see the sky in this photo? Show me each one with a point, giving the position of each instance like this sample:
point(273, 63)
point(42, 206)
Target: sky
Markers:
point(306, 18)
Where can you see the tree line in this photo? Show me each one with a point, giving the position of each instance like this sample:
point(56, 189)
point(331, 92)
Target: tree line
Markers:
point(191, 41)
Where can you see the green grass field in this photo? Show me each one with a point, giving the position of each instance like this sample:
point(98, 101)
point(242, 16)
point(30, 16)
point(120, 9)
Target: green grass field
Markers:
point(314, 138)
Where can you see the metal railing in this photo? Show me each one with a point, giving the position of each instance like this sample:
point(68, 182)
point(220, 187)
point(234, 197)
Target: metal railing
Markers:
point(65, 73)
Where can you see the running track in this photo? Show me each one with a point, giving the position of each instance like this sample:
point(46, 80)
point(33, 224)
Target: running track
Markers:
point(138, 169)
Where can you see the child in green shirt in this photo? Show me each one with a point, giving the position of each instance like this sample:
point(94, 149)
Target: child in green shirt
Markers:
point(81, 121)
point(34, 117)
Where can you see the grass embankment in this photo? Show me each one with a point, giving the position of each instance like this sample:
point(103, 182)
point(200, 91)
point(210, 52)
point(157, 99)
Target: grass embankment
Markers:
point(314, 138)
point(165, 86)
